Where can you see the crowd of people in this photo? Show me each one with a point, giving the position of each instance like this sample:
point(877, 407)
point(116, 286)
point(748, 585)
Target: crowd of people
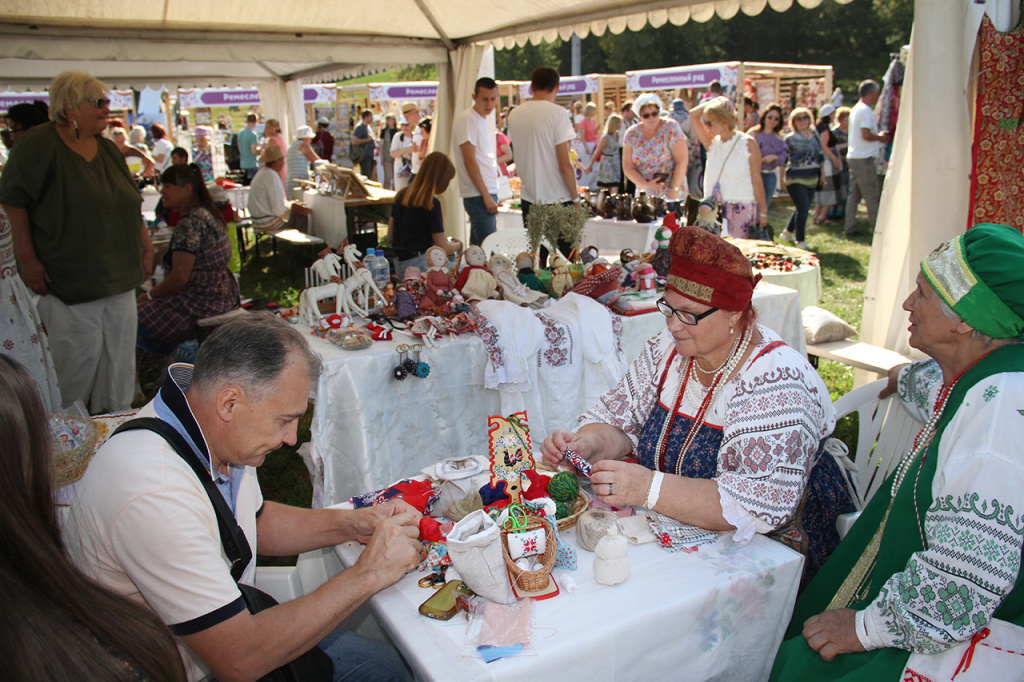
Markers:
point(729, 428)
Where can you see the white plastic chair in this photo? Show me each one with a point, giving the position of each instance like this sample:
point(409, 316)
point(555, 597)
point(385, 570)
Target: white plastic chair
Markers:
point(511, 243)
point(886, 431)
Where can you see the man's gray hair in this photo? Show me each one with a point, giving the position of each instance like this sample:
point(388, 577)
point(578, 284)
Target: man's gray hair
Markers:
point(866, 88)
point(251, 351)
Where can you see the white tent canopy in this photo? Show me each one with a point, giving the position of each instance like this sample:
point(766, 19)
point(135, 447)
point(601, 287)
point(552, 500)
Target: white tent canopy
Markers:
point(276, 47)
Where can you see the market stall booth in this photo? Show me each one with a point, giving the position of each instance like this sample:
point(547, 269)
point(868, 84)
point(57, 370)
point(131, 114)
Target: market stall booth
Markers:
point(595, 87)
point(790, 85)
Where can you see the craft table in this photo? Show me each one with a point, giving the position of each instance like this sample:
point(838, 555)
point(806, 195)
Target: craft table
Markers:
point(369, 429)
point(609, 236)
point(806, 279)
point(337, 218)
point(718, 613)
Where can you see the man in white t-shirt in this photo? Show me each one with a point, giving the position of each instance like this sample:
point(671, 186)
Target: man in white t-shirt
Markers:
point(270, 210)
point(473, 142)
point(406, 144)
point(143, 524)
point(541, 131)
point(862, 157)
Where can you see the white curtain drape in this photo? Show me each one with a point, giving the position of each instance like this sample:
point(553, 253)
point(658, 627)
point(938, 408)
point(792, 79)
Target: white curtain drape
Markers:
point(454, 93)
point(283, 101)
point(926, 193)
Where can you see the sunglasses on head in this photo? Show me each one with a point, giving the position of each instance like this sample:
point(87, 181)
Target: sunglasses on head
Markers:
point(98, 102)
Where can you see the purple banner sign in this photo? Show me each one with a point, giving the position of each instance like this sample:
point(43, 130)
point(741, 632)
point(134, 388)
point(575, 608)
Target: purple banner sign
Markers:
point(410, 92)
point(224, 98)
point(678, 79)
point(9, 99)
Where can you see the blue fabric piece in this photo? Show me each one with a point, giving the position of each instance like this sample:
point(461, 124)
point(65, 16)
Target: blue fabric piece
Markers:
point(491, 654)
point(490, 495)
point(358, 659)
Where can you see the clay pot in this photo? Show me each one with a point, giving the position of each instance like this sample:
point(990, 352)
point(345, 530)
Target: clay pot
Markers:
point(643, 208)
point(623, 207)
point(611, 202)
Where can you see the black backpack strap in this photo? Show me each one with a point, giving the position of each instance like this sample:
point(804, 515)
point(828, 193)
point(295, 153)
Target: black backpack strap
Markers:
point(236, 546)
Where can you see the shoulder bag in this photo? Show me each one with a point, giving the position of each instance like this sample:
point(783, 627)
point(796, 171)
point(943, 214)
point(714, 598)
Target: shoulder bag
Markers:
point(312, 666)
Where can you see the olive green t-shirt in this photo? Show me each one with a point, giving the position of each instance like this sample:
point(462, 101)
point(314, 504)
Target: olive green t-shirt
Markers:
point(85, 216)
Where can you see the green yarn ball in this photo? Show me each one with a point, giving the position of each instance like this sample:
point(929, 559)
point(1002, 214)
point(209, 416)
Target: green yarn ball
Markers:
point(563, 509)
point(564, 487)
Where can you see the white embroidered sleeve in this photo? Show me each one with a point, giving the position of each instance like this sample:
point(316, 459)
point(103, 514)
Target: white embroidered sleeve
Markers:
point(919, 386)
point(775, 419)
point(628, 405)
point(974, 529)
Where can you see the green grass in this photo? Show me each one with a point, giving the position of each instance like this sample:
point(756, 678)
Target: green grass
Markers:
point(844, 273)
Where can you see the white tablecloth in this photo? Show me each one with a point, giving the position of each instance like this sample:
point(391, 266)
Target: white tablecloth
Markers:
point(369, 429)
point(609, 236)
point(328, 220)
point(806, 279)
point(719, 613)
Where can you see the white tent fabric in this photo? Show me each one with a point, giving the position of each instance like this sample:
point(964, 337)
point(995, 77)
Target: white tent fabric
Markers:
point(925, 198)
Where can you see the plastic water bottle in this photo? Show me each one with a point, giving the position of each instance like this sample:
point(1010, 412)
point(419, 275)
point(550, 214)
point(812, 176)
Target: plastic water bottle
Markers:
point(379, 269)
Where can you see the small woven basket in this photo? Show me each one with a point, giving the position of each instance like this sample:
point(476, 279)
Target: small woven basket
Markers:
point(579, 505)
point(532, 581)
point(74, 442)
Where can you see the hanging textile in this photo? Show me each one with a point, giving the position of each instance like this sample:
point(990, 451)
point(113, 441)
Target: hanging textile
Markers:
point(997, 185)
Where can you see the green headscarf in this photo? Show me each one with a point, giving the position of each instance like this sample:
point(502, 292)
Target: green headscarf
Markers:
point(980, 275)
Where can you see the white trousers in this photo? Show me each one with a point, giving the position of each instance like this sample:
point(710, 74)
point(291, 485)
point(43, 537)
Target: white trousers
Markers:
point(93, 349)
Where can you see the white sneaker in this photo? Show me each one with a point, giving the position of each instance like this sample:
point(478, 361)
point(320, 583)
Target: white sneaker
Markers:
point(787, 236)
point(803, 245)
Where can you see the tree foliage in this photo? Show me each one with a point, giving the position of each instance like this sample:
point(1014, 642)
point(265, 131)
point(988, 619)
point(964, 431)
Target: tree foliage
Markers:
point(856, 39)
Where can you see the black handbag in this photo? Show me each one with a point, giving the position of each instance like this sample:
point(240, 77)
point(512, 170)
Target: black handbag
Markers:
point(312, 666)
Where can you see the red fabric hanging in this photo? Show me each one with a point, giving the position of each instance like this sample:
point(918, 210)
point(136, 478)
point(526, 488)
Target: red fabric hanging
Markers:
point(997, 183)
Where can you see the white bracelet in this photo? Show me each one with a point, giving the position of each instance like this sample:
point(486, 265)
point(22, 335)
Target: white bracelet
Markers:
point(149, 296)
point(654, 491)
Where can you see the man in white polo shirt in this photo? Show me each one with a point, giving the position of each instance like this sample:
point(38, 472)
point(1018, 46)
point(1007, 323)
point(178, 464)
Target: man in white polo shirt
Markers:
point(862, 157)
point(143, 525)
point(541, 132)
point(475, 161)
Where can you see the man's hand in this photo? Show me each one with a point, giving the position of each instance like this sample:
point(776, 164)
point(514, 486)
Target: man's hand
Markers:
point(365, 521)
point(393, 550)
point(832, 633)
point(35, 276)
point(490, 204)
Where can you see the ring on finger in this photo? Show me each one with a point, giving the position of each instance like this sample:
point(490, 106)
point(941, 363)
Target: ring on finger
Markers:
point(611, 489)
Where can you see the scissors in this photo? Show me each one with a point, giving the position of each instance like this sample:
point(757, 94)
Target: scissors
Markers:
point(435, 580)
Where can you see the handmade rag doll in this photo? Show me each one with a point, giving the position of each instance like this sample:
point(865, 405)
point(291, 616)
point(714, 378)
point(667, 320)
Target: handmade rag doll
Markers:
point(475, 282)
point(512, 289)
point(524, 263)
point(437, 283)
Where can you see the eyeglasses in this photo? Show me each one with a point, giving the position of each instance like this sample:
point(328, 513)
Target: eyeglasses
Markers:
point(649, 114)
point(802, 117)
point(98, 102)
point(682, 315)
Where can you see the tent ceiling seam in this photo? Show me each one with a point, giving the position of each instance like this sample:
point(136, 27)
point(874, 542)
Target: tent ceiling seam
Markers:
point(437, 26)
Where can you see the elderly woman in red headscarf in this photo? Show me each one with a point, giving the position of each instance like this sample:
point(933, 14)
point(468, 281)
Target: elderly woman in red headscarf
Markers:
point(727, 424)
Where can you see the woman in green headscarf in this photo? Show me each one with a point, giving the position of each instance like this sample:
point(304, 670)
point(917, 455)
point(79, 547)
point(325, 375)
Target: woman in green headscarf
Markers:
point(937, 552)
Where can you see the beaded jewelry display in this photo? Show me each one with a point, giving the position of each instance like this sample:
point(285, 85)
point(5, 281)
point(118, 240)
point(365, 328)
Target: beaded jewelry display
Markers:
point(736, 353)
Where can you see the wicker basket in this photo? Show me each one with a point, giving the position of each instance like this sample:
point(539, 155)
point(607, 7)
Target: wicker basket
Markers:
point(74, 442)
point(532, 581)
point(580, 505)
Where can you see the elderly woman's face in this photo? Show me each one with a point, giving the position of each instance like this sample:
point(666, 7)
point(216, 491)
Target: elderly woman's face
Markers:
point(649, 113)
point(929, 327)
point(708, 338)
point(802, 122)
point(91, 113)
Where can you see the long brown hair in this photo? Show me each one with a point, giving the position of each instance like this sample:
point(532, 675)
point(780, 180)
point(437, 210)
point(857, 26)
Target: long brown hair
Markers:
point(59, 624)
point(435, 173)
